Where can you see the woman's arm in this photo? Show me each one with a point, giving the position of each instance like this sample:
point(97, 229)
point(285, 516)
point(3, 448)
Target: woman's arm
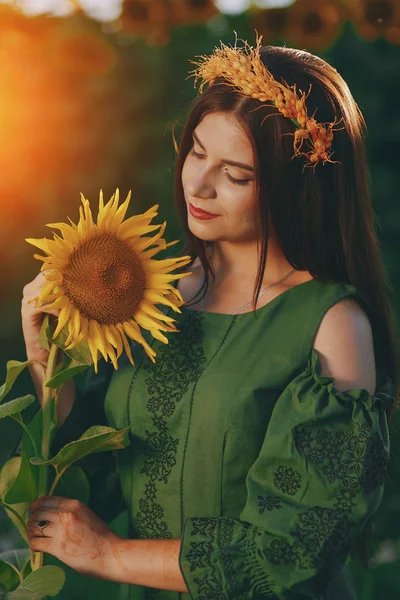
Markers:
point(80, 539)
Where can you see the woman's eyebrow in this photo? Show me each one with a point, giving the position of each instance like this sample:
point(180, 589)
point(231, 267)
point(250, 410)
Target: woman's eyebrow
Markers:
point(233, 163)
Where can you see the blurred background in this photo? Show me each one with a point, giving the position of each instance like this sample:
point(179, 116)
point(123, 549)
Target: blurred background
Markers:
point(90, 91)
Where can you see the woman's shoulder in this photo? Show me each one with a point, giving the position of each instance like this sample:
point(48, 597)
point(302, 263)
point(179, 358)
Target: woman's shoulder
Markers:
point(344, 341)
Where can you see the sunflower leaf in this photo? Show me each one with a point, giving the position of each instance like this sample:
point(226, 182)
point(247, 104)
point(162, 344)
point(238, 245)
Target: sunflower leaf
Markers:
point(96, 439)
point(9, 578)
point(14, 368)
point(25, 486)
point(80, 354)
point(69, 370)
point(47, 581)
point(15, 406)
point(74, 484)
point(43, 339)
point(17, 559)
point(8, 476)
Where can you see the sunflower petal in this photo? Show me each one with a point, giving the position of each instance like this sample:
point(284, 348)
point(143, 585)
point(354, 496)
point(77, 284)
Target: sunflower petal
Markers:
point(70, 235)
point(156, 297)
point(134, 332)
point(101, 201)
point(41, 244)
point(103, 214)
point(114, 338)
point(125, 342)
point(159, 336)
point(97, 337)
point(74, 329)
point(63, 318)
point(46, 291)
point(152, 311)
point(151, 240)
point(121, 212)
point(94, 352)
point(60, 302)
point(111, 354)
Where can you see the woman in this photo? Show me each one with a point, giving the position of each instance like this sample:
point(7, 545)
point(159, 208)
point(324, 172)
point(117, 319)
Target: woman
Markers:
point(259, 437)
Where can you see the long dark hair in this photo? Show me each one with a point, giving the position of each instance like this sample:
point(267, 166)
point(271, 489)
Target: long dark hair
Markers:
point(323, 217)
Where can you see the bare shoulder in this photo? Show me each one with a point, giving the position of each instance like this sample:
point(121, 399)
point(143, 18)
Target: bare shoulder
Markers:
point(345, 344)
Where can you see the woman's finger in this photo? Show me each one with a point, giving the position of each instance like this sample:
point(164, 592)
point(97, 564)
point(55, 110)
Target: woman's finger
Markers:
point(36, 531)
point(41, 514)
point(42, 544)
point(56, 502)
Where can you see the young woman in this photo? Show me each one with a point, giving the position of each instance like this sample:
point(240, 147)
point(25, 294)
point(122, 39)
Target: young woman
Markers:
point(259, 438)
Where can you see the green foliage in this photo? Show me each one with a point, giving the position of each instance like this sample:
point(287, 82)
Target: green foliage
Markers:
point(78, 355)
point(11, 408)
point(95, 439)
point(69, 368)
point(14, 566)
point(26, 484)
point(14, 368)
point(8, 475)
point(46, 581)
point(73, 484)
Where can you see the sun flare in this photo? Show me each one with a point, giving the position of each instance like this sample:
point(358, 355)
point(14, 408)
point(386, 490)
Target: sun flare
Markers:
point(104, 280)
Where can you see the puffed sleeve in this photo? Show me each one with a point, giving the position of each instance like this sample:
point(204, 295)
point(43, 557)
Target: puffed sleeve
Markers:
point(316, 482)
point(88, 410)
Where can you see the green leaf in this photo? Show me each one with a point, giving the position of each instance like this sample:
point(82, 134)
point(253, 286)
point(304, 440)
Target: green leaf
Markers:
point(47, 581)
point(8, 476)
point(25, 487)
point(10, 562)
point(43, 339)
point(80, 354)
point(74, 484)
point(95, 439)
point(16, 406)
point(67, 373)
point(14, 368)
point(9, 578)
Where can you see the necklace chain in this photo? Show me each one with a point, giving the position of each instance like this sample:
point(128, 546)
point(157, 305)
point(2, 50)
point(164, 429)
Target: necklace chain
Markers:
point(261, 292)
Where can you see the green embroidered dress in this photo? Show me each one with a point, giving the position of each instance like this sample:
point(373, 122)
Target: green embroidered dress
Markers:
point(242, 449)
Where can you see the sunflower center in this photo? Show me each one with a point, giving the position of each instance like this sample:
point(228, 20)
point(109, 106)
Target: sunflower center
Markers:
point(380, 13)
point(312, 23)
point(104, 279)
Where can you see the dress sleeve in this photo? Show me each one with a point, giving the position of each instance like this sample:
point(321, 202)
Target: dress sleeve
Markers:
point(88, 410)
point(315, 484)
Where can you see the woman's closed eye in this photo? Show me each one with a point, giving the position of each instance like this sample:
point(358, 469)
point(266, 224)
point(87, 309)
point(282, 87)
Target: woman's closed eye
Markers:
point(227, 174)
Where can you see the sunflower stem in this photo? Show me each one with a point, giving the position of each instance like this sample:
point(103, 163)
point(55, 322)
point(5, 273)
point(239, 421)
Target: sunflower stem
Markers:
point(49, 424)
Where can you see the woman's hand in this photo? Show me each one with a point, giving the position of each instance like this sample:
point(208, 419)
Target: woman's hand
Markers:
point(76, 536)
point(32, 319)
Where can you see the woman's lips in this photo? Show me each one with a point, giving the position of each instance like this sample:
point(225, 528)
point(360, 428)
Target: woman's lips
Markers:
point(200, 214)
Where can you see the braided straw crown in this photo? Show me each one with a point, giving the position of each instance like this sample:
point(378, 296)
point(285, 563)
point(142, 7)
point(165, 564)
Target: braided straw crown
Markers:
point(243, 69)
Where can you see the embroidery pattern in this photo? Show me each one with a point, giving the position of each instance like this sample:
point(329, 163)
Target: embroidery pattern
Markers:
point(268, 503)
point(287, 480)
point(354, 459)
point(352, 456)
point(209, 587)
point(178, 365)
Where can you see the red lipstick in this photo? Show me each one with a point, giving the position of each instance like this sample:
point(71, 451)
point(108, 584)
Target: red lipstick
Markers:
point(200, 214)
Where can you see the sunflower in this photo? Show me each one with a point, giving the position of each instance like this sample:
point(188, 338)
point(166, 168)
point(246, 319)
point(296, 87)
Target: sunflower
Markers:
point(373, 18)
point(185, 12)
point(104, 280)
point(313, 24)
point(144, 18)
point(270, 23)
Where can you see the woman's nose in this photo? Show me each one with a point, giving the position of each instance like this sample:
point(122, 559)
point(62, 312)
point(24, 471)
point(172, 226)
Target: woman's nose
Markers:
point(201, 187)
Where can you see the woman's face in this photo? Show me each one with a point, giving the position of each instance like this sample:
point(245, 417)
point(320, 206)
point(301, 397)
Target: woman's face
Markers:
point(218, 176)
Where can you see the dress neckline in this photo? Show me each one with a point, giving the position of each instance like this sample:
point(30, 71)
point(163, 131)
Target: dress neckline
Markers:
point(259, 310)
